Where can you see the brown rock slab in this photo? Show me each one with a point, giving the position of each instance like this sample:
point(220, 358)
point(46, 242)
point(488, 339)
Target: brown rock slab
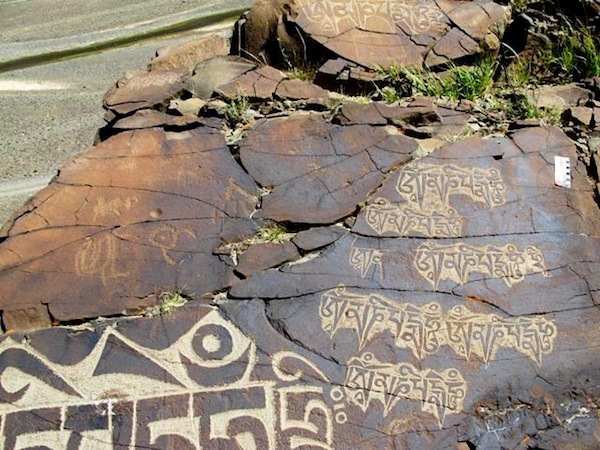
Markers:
point(315, 238)
point(562, 96)
point(30, 318)
point(149, 118)
point(582, 115)
point(258, 84)
point(145, 90)
point(299, 90)
point(213, 73)
point(190, 54)
point(318, 172)
point(407, 33)
point(264, 256)
point(95, 242)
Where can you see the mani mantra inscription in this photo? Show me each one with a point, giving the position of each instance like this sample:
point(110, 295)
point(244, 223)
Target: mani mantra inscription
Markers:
point(425, 190)
point(369, 380)
point(88, 405)
point(364, 258)
point(337, 16)
point(456, 262)
point(425, 329)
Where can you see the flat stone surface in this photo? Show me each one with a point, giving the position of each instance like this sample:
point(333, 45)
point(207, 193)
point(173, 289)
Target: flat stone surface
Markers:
point(318, 172)
point(190, 54)
point(462, 298)
point(114, 226)
point(417, 302)
point(145, 90)
point(383, 33)
point(213, 73)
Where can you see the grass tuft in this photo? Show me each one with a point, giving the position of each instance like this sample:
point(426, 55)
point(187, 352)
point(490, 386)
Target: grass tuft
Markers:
point(236, 110)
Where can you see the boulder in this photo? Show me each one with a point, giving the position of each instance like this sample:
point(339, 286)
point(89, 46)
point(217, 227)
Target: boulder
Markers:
point(190, 53)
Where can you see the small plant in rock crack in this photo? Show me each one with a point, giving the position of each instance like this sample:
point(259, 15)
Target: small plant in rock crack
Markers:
point(459, 82)
point(275, 233)
point(308, 73)
point(167, 303)
point(236, 110)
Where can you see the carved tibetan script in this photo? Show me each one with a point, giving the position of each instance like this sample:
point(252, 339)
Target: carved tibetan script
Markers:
point(201, 392)
point(334, 17)
point(369, 380)
point(425, 191)
point(456, 262)
point(425, 329)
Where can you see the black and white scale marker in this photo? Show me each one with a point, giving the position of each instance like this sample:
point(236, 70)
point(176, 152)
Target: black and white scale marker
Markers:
point(562, 171)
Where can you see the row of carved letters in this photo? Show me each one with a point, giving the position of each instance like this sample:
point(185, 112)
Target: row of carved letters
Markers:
point(425, 329)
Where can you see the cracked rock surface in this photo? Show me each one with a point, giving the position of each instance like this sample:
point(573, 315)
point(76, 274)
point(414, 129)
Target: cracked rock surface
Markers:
point(314, 276)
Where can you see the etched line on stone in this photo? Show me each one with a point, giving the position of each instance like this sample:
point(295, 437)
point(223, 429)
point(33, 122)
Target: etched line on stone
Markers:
point(425, 329)
point(235, 409)
point(425, 191)
point(369, 380)
point(456, 262)
point(363, 259)
point(337, 16)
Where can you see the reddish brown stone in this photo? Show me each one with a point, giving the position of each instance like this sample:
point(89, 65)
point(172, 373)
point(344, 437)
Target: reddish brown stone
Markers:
point(356, 113)
point(190, 194)
point(30, 318)
point(190, 54)
point(299, 90)
point(263, 256)
point(258, 84)
point(145, 90)
point(318, 172)
point(213, 73)
point(582, 115)
point(149, 118)
point(455, 44)
point(562, 96)
point(314, 238)
point(400, 32)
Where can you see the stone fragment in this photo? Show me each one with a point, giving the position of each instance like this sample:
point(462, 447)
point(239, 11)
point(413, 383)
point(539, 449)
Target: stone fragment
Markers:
point(357, 113)
point(260, 257)
point(258, 84)
point(145, 90)
point(149, 118)
point(213, 73)
point(562, 96)
point(190, 106)
point(190, 54)
point(582, 115)
point(315, 238)
point(31, 318)
point(317, 172)
point(115, 238)
point(264, 34)
point(299, 90)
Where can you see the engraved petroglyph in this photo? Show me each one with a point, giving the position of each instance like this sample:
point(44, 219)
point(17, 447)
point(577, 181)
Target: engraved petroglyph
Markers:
point(337, 16)
point(456, 262)
point(431, 185)
point(106, 206)
point(166, 237)
point(384, 217)
point(99, 256)
point(363, 259)
point(484, 335)
point(150, 79)
point(425, 190)
point(369, 380)
point(66, 406)
point(425, 329)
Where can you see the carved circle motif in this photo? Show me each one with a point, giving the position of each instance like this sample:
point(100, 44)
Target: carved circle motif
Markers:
point(212, 342)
